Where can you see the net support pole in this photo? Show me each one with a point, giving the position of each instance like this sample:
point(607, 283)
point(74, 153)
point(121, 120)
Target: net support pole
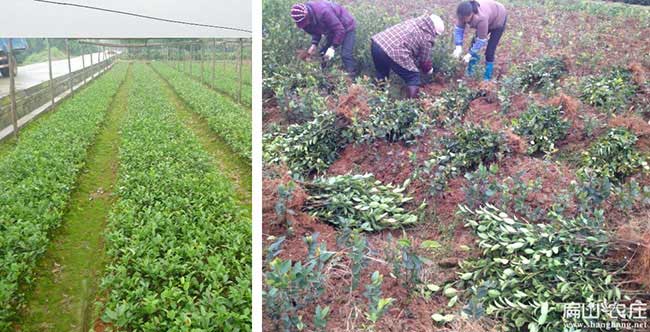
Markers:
point(202, 64)
point(241, 60)
point(214, 56)
point(49, 62)
point(83, 64)
point(67, 50)
point(191, 58)
point(12, 88)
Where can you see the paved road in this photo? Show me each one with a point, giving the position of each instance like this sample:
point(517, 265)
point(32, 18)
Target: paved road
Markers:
point(37, 73)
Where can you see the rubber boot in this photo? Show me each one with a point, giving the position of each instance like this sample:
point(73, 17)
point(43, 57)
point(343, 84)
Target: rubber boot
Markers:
point(489, 67)
point(412, 91)
point(470, 67)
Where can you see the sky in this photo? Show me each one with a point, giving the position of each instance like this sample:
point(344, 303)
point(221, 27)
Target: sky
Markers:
point(34, 19)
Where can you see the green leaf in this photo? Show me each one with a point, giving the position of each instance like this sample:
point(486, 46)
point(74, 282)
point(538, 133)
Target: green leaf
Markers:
point(544, 313)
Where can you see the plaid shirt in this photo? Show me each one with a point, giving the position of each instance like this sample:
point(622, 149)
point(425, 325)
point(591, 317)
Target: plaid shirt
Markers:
point(409, 43)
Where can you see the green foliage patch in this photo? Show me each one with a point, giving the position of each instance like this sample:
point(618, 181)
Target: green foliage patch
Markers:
point(228, 119)
point(610, 92)
point(543, 126)
point(613, 156)
point(37, 178)
point(541, 73)
point(179, 248)
point(526, 272)
point(308, 147)
point(359, 201)
point(468, 147)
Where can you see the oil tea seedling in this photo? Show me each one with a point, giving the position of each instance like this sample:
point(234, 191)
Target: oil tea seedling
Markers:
point(453, 104)
point(359, 201)
point(358, 251)
point(406, 261)
point(291, 286)
point(541, 74)
point(613, 156)
point(377, 305)
point(527, 271)
point(309, 147)
point(543, 126)
point(610, 92)
point(391, 119)
point(467, 148)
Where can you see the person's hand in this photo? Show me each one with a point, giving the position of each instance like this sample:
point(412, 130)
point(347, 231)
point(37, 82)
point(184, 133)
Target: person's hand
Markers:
point(457, 51)
point(329, 54)
point(467, 57)
point(311, 50)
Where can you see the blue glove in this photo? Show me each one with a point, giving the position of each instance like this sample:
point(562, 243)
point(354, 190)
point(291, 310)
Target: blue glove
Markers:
point(472, 62)
point(478, 45)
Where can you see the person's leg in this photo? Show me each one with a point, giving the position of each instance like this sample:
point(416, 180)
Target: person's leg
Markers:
point(347, 53)
point(495, 37)
point(381, 61)
point(411, 79)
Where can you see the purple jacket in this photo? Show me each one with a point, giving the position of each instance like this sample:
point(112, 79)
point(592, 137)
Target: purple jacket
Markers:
point(329, 19)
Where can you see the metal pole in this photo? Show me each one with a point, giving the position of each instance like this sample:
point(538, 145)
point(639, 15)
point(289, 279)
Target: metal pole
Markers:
point(202, 67)
point(241, 59)
point(12, 88)
point(214, 57)
point(49, 61)
point(83, 63)
point(67, 50)
point(191, 59)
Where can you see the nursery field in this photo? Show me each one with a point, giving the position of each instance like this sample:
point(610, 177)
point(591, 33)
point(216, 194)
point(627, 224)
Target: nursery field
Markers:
point(128, 207)
point(226, 79)
point(480, 206)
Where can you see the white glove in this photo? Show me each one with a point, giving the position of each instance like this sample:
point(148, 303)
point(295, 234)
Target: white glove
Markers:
point(467, 57)
point(430, 72)
point(457, 51)
point(329, 54)
point(312, 49)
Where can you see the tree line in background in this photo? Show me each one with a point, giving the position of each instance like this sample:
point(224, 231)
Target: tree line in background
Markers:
point(37, 50)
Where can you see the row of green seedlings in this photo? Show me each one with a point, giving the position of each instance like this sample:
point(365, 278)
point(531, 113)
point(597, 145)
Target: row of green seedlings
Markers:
point(312, 146)
point(607, 173)
point(178, 245)
point(512, 197)
point(610, 92)
point(291, 287)
point(539, 75)
point(299, 92)
point(228, 119)
point(301, 89)
point(227, 80)
point(526, 272)
point(37, 178)
point(588, 195)
point(602, 173)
